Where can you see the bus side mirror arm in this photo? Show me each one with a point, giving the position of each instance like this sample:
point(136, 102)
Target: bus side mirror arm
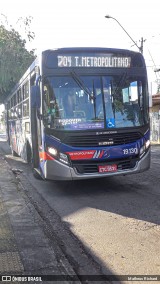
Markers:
point(39, 115)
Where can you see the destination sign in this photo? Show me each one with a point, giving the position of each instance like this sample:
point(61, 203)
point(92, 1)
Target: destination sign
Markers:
point(108, 61)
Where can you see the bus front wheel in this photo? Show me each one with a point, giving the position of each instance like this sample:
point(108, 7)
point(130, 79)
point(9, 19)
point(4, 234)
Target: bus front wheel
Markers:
point(37, 174)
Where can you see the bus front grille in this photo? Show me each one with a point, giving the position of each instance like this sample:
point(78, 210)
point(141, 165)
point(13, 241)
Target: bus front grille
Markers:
point(90, 168)
point(94, 140)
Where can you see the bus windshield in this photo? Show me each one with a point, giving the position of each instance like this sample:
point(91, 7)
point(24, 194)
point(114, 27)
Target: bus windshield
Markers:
point(94, 102)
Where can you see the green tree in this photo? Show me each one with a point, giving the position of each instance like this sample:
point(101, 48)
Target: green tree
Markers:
point(14, 57)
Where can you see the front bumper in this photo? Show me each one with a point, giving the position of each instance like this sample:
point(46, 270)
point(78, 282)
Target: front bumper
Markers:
point(54, 170)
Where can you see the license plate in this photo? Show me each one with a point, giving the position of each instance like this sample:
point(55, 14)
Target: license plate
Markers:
point(107, 168)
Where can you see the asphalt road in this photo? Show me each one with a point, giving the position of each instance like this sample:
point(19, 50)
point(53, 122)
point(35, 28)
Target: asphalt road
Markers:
point(116, 219)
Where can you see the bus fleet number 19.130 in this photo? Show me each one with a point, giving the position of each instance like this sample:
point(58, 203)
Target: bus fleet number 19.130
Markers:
point(130, 151)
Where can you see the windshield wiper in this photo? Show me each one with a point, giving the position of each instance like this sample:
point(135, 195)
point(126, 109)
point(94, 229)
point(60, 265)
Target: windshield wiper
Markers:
point(117, 89)
point(86, 90)
point(94, 100)
point(119, 85)
point(82, 85)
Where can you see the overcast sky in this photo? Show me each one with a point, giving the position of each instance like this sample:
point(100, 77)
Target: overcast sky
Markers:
point(69, 23)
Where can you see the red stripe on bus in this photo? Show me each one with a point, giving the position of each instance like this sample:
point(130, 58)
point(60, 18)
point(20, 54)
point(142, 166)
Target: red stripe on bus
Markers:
point(81, 155)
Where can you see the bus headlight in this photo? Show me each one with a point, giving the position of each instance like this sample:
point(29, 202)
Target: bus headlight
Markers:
point(52, 151)
point(63, 158)
point(142, 149)
point(147, 144)
point(59, 156)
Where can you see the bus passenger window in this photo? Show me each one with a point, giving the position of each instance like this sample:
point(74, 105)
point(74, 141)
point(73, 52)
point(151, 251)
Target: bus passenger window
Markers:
point(26, 108)
point(26, 91)
point(19, 96)
point(20, 110)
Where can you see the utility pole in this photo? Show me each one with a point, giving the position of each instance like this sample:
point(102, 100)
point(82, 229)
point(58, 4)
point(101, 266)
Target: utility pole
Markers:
point(141, 46)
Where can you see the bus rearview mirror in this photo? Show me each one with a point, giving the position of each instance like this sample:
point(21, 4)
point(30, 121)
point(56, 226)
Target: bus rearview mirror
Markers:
point(35, 97)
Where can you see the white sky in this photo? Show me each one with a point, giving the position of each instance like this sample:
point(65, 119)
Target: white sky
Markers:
point(71, 23)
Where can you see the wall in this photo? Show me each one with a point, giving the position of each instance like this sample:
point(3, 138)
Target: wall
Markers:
point(155, 120)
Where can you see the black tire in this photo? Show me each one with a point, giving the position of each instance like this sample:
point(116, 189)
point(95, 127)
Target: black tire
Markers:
point(37, 175)
point(29, 153)
point(14, 153)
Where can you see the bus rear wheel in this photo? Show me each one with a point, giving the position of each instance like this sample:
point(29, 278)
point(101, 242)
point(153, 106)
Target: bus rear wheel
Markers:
point(14, 153)
point(29, 153)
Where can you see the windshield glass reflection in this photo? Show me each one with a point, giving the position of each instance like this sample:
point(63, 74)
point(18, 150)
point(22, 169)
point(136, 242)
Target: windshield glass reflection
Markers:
point(93, 102)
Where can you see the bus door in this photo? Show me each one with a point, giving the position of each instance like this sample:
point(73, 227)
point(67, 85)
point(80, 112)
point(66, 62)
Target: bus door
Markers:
point(35, 126)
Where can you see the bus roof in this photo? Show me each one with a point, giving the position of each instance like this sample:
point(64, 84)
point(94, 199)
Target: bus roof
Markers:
point(90, 49)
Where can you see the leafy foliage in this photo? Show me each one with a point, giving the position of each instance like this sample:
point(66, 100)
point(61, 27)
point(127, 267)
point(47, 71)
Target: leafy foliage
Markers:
point(14, 59)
